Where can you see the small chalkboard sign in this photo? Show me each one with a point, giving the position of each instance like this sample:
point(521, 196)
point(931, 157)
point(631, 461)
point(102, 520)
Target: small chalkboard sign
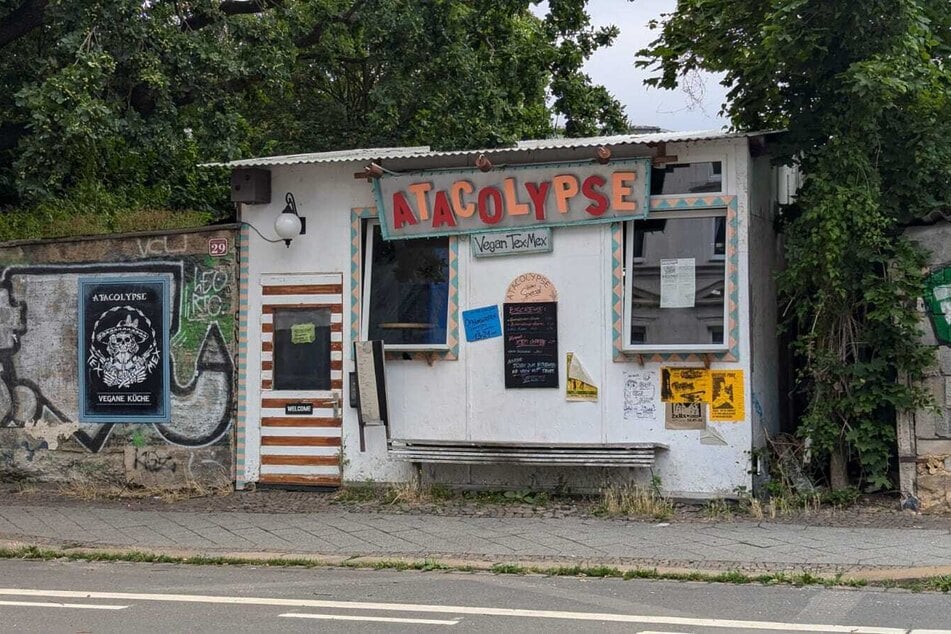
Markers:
point(531, 344)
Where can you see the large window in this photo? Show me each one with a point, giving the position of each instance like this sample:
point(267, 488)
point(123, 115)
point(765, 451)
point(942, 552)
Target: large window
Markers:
point(675, 282)
point(301, 349)
point(687, 178)
point(406, 290)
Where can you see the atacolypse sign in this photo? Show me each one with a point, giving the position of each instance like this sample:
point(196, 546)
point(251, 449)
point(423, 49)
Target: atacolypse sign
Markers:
point(448, 202)
point(123, 349)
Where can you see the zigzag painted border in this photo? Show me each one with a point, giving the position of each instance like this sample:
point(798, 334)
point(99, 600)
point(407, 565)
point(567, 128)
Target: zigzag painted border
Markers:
point(733, 280)
point(243, 246)
point(357, 215)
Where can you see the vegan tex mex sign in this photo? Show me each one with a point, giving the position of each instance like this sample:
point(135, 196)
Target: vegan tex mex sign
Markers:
point(123, 349)
point(452, 202)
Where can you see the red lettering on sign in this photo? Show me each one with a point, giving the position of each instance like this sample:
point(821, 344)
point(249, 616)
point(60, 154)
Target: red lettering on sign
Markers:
point(599, 201)
point(442, 212)
point(538, 193)
point(402, 213)
point(484, 194)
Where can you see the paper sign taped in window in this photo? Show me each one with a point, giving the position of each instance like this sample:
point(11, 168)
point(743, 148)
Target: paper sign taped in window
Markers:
point(303, 333)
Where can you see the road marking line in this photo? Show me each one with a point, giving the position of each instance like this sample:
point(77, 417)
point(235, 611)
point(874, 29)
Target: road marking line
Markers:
point(378, 619)
point(477, 611)
point(42, 604)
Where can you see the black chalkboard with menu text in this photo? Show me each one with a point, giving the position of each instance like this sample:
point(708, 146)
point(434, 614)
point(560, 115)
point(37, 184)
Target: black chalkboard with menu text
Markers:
point(531, 344)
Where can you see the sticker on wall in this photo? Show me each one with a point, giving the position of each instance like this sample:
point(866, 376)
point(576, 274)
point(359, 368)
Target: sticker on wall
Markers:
point(640, 396)
point(303, 333)
point(685, 416)
point(580, 386)
point(727, 399)
point(531, 287)
point(678, 283)
point(685, 385)
point(482, 323)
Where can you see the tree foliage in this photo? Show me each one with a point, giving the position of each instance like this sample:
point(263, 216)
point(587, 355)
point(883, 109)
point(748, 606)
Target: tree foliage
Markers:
point(122, 98)
point(864, 92)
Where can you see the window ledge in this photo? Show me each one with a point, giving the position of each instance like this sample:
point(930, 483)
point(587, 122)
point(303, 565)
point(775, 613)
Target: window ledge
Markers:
point(660, 349)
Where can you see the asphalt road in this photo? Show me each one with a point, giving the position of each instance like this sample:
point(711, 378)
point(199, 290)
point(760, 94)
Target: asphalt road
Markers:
point(77, 597)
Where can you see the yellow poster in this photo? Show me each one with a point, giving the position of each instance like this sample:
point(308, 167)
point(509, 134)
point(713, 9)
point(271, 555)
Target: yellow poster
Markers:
point(727, 395)
point(685, 385)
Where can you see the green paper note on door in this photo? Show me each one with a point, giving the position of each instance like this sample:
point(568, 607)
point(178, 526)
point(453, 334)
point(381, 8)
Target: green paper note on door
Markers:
point(303, 333)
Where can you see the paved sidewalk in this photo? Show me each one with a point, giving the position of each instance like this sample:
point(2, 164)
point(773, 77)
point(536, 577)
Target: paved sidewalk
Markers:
point(340, 534)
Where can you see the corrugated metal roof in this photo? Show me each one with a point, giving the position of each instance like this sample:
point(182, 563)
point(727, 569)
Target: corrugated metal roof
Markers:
point(633, 139)
point(367, 154)
point(338, 156)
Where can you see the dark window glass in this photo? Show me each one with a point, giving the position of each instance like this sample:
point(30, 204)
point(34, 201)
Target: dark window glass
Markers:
point(687, 178)
point(716, 334)
point(409, 290)
point(686, 318)
point(638, 334)
point(719, 236)
point(301, 349)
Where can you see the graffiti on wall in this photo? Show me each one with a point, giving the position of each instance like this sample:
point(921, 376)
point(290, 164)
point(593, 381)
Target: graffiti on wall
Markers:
point(38, 359)
point(938, 301)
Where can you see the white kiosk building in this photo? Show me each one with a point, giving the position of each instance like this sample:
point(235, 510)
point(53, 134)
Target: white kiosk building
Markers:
point(564, 312)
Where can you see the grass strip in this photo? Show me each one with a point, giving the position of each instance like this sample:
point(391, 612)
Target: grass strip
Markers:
point(928, 584)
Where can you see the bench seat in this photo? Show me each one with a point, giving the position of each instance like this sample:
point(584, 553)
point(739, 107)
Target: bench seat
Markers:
point(527, 453)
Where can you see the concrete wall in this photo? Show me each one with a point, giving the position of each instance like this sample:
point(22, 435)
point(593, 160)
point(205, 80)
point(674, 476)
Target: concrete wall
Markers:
point(765, 261)
point(41, 439)
point(464, 398)
point(925, 436)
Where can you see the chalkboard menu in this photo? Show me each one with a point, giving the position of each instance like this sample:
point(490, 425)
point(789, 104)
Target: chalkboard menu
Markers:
point(531, 344)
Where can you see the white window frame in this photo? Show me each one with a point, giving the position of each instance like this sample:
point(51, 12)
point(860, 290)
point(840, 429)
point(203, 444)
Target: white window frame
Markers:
point(629, 260)
point(365, 287)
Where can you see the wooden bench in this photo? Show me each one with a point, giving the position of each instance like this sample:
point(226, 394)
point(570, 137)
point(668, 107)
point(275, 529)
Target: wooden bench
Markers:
point(527, 453)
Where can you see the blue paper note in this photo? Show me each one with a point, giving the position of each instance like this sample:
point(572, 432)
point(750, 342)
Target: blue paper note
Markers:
point(482, 323)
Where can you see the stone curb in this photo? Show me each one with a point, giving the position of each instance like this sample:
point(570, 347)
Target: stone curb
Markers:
point(482, 563)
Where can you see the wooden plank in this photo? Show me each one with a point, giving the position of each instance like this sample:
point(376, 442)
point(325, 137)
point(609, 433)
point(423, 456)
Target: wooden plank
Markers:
point(327, 481)
point(279, 403)
point(300, 421)
point(304, 289)
point(268, 309)
point(301, 441)
point(326, 461)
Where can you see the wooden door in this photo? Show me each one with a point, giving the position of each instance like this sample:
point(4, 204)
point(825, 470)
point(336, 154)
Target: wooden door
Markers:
point(301, 379)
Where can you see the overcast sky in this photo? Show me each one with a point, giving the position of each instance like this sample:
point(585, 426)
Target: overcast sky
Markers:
point(614, 68)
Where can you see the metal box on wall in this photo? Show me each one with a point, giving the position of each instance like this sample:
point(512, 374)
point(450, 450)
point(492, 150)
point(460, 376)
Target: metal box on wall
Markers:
point(252, 186)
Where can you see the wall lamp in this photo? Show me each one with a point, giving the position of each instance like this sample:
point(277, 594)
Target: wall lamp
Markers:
point(288, 224)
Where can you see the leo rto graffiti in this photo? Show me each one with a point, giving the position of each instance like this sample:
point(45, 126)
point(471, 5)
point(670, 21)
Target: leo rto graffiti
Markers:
point(140, 338)
point(123, 350)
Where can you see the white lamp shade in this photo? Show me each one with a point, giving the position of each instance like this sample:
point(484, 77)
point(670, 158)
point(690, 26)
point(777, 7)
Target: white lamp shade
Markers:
point(287, 226)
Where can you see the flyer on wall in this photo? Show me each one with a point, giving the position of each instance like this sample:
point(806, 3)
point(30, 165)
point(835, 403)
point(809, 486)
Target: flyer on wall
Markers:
point(123, 349)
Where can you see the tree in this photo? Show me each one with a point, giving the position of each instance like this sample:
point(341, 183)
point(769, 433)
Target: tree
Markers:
point(864, 92)
point(123, 98)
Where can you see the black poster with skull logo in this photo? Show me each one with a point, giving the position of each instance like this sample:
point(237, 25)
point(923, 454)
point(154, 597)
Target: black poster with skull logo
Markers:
point(123, 349)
